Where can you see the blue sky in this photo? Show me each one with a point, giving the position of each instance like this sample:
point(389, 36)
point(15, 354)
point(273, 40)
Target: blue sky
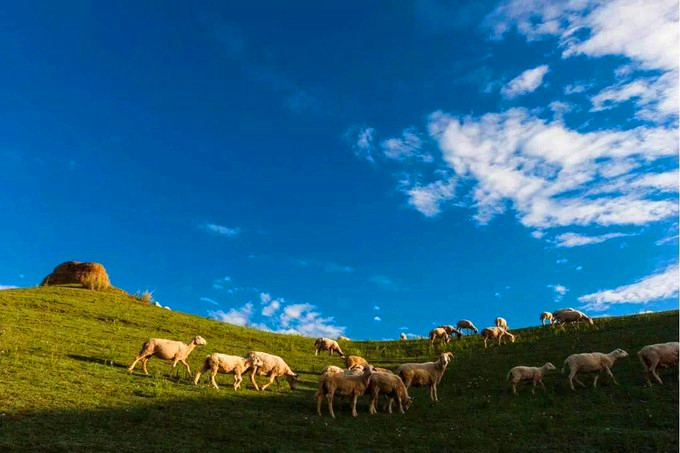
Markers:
point(347, 169)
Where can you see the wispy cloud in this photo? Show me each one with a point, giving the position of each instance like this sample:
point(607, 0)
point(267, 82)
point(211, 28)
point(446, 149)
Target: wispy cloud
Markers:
point(209, 300)
point(526, 82)
point(238, 316)
point(559, 291)
point(220, 229)
point(383, 282)
point(663, 285)
point(578, 240)
point(429, 198)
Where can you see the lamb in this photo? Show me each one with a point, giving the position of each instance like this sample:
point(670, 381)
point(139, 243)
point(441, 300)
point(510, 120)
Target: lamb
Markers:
point(392, 387)
point(464, 324)
point(527, 373)
point(326, 344)
point(343, 384)
point(663, 355)
point(403, 336)
point(166, 350)
point(496, 332)
point(593, 362)
point(272, 366)
point(546, 316)
point(341, 338)
point(227, 364)
point(570, 316)
point(353, 360)
point(439, 334)
point(425, 374)
point(502, 323)
point(451, 330)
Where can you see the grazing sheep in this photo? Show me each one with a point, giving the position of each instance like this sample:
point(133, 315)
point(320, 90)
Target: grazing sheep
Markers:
point(166, 350)
point(592, 362)
point(451, 330)
point(403, 337)
point(496, 332)
point(425, 374)
point(343, 339)
point(546, 316)
point(662, 355)
point(528, 373)
point(561, 310)
point(464, 324)
point(502, 323)
point(382, 370)
point(569, 316)
point(392, 387)
point(439, 334)
point(326, 344)
point(227, 364)
point(353, 360)
point(272, 366)
point(342, 384)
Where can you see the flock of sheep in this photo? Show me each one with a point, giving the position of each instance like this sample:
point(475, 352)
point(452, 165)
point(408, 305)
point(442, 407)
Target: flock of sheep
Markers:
point(359, 377)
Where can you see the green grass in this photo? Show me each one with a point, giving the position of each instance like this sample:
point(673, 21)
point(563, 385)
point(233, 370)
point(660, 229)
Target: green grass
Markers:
point(64, 386)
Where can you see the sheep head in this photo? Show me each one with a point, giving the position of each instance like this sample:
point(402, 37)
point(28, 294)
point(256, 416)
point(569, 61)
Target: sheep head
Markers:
point(254, 361)
point(549, 367)
point(292, 380)
point(618, 354)
point(199, 341)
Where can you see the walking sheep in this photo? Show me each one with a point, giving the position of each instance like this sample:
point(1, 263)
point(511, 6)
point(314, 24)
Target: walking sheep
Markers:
point(496, 332)
point(571, 316)
point(342, 384)
point(439, 334)
point(227, 364)
point(464, 324)
point(546, 316)
point(593, 362)
point(166, 350)
point(425, 374)
point(272, 366)
point(326, 344)
point(662, 355)
point(528, 373)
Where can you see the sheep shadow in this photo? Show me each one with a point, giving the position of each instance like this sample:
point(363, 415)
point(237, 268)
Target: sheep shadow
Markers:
point(97, 360)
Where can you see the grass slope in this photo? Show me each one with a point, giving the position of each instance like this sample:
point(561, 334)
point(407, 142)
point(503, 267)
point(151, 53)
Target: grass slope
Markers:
point(63, 386)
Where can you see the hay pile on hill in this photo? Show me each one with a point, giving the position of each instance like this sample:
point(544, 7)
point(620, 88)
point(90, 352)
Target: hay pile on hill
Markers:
point(90, 275)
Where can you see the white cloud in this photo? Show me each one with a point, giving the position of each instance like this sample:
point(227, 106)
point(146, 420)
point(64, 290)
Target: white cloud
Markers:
point(663, 285)
point(666, 182)
point(429, 198)
point(526, 82)
point(548, 172)
point(209, 300)
point(577, 240)
point(220, 229)
point(270, 309)
point(265, 298)
point(361, 140)
point(375, 307)
point(238, 316)
point(559, 290)
point(377, 318)
point(407, 146)
point(7, 287)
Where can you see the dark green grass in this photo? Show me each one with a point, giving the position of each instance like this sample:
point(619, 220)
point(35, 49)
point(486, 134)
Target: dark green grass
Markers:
point(64, 386)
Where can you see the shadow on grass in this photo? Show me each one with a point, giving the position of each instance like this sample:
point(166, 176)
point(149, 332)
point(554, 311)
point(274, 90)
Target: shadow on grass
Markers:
point(105, 362)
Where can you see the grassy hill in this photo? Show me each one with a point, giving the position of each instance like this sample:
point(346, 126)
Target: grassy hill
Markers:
point(64, 386)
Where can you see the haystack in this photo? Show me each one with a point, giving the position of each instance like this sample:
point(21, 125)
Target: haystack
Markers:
point(90, 275)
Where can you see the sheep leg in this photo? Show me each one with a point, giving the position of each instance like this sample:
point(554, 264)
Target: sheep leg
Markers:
point(609, 373)
point(186, 365)
point(533, 389)
point(237, 381)
point(132, 366)
point(319, 397)
point(513, 384)
point(540, 381)
point(579, 382)
point(373, 402)
point(654, 373)
point(401, 406)
point(213, 382)
point(485, 343)
point(252, 379)
point(144, 360)
point(329, 399)
point(597, 376)
point(354, 405)
point(572, 378)
point(271, 381)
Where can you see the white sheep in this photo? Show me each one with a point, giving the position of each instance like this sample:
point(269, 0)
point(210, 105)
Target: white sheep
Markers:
point(439, 334)
point(546, 316)
point(392, 387)
point(451, 330)
point(496, 332)
point(403, 337)
point(592, 362)
point(272, 366)
point(569, 316)
point(662, 355)
point(464, 324)
point(341, 338)
point(166, 350)
point(227, 364)
point(502, 323)
point(528, 373)
point(342, 384)
point(326, 344)
point(425, 374)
